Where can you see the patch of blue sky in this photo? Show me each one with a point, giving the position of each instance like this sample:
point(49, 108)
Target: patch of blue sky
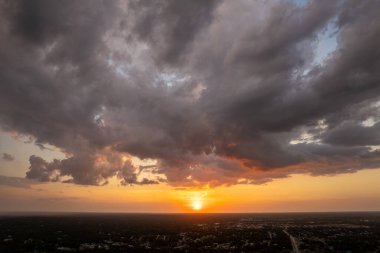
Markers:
point(325, 45)
point(301, 2)
point(327, 42)
point(171, 78)
point(118, 68)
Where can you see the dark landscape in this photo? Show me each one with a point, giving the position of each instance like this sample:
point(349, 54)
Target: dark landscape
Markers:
point(282, 232)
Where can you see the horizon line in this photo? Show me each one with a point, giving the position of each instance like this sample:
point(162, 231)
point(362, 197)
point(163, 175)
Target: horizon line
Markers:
point(10, 213)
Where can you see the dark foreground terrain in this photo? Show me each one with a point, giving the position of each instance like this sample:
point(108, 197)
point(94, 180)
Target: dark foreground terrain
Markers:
point(292, 232)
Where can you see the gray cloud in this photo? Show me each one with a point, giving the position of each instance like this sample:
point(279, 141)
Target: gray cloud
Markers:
point(15, 182)
point(218, 92)
point(170, 27)
point(7, 157)
point(351, 134)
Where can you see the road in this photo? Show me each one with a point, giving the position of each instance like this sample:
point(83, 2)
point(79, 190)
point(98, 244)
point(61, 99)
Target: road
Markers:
point(293, 241)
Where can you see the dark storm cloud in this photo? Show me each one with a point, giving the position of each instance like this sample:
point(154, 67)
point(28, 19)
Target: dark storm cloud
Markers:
point(7, 157)
point(170, 26)
point(218, 92)
point(354, 135)
point(41, 170)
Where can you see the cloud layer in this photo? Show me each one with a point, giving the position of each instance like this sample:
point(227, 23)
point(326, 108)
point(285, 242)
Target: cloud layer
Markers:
point(218, 92)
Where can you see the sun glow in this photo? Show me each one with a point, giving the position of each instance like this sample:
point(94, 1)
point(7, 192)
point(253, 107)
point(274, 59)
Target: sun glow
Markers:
point(197, 200)
point(197, 204)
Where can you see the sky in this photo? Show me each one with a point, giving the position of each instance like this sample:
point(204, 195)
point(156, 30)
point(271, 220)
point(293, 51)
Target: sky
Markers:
point(189, 106)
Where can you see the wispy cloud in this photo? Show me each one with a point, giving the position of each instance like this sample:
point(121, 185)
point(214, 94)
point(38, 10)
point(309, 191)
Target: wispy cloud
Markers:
point(15, 182)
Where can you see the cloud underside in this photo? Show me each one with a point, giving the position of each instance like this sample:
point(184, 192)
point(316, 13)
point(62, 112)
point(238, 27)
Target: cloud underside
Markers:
point(218, 93)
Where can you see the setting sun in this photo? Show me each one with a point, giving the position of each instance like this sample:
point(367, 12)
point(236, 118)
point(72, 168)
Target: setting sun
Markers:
point(197, 200)
point(197, 204)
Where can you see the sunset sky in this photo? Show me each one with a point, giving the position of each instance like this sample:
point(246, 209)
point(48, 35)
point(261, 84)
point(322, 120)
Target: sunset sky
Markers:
point(190, 106)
